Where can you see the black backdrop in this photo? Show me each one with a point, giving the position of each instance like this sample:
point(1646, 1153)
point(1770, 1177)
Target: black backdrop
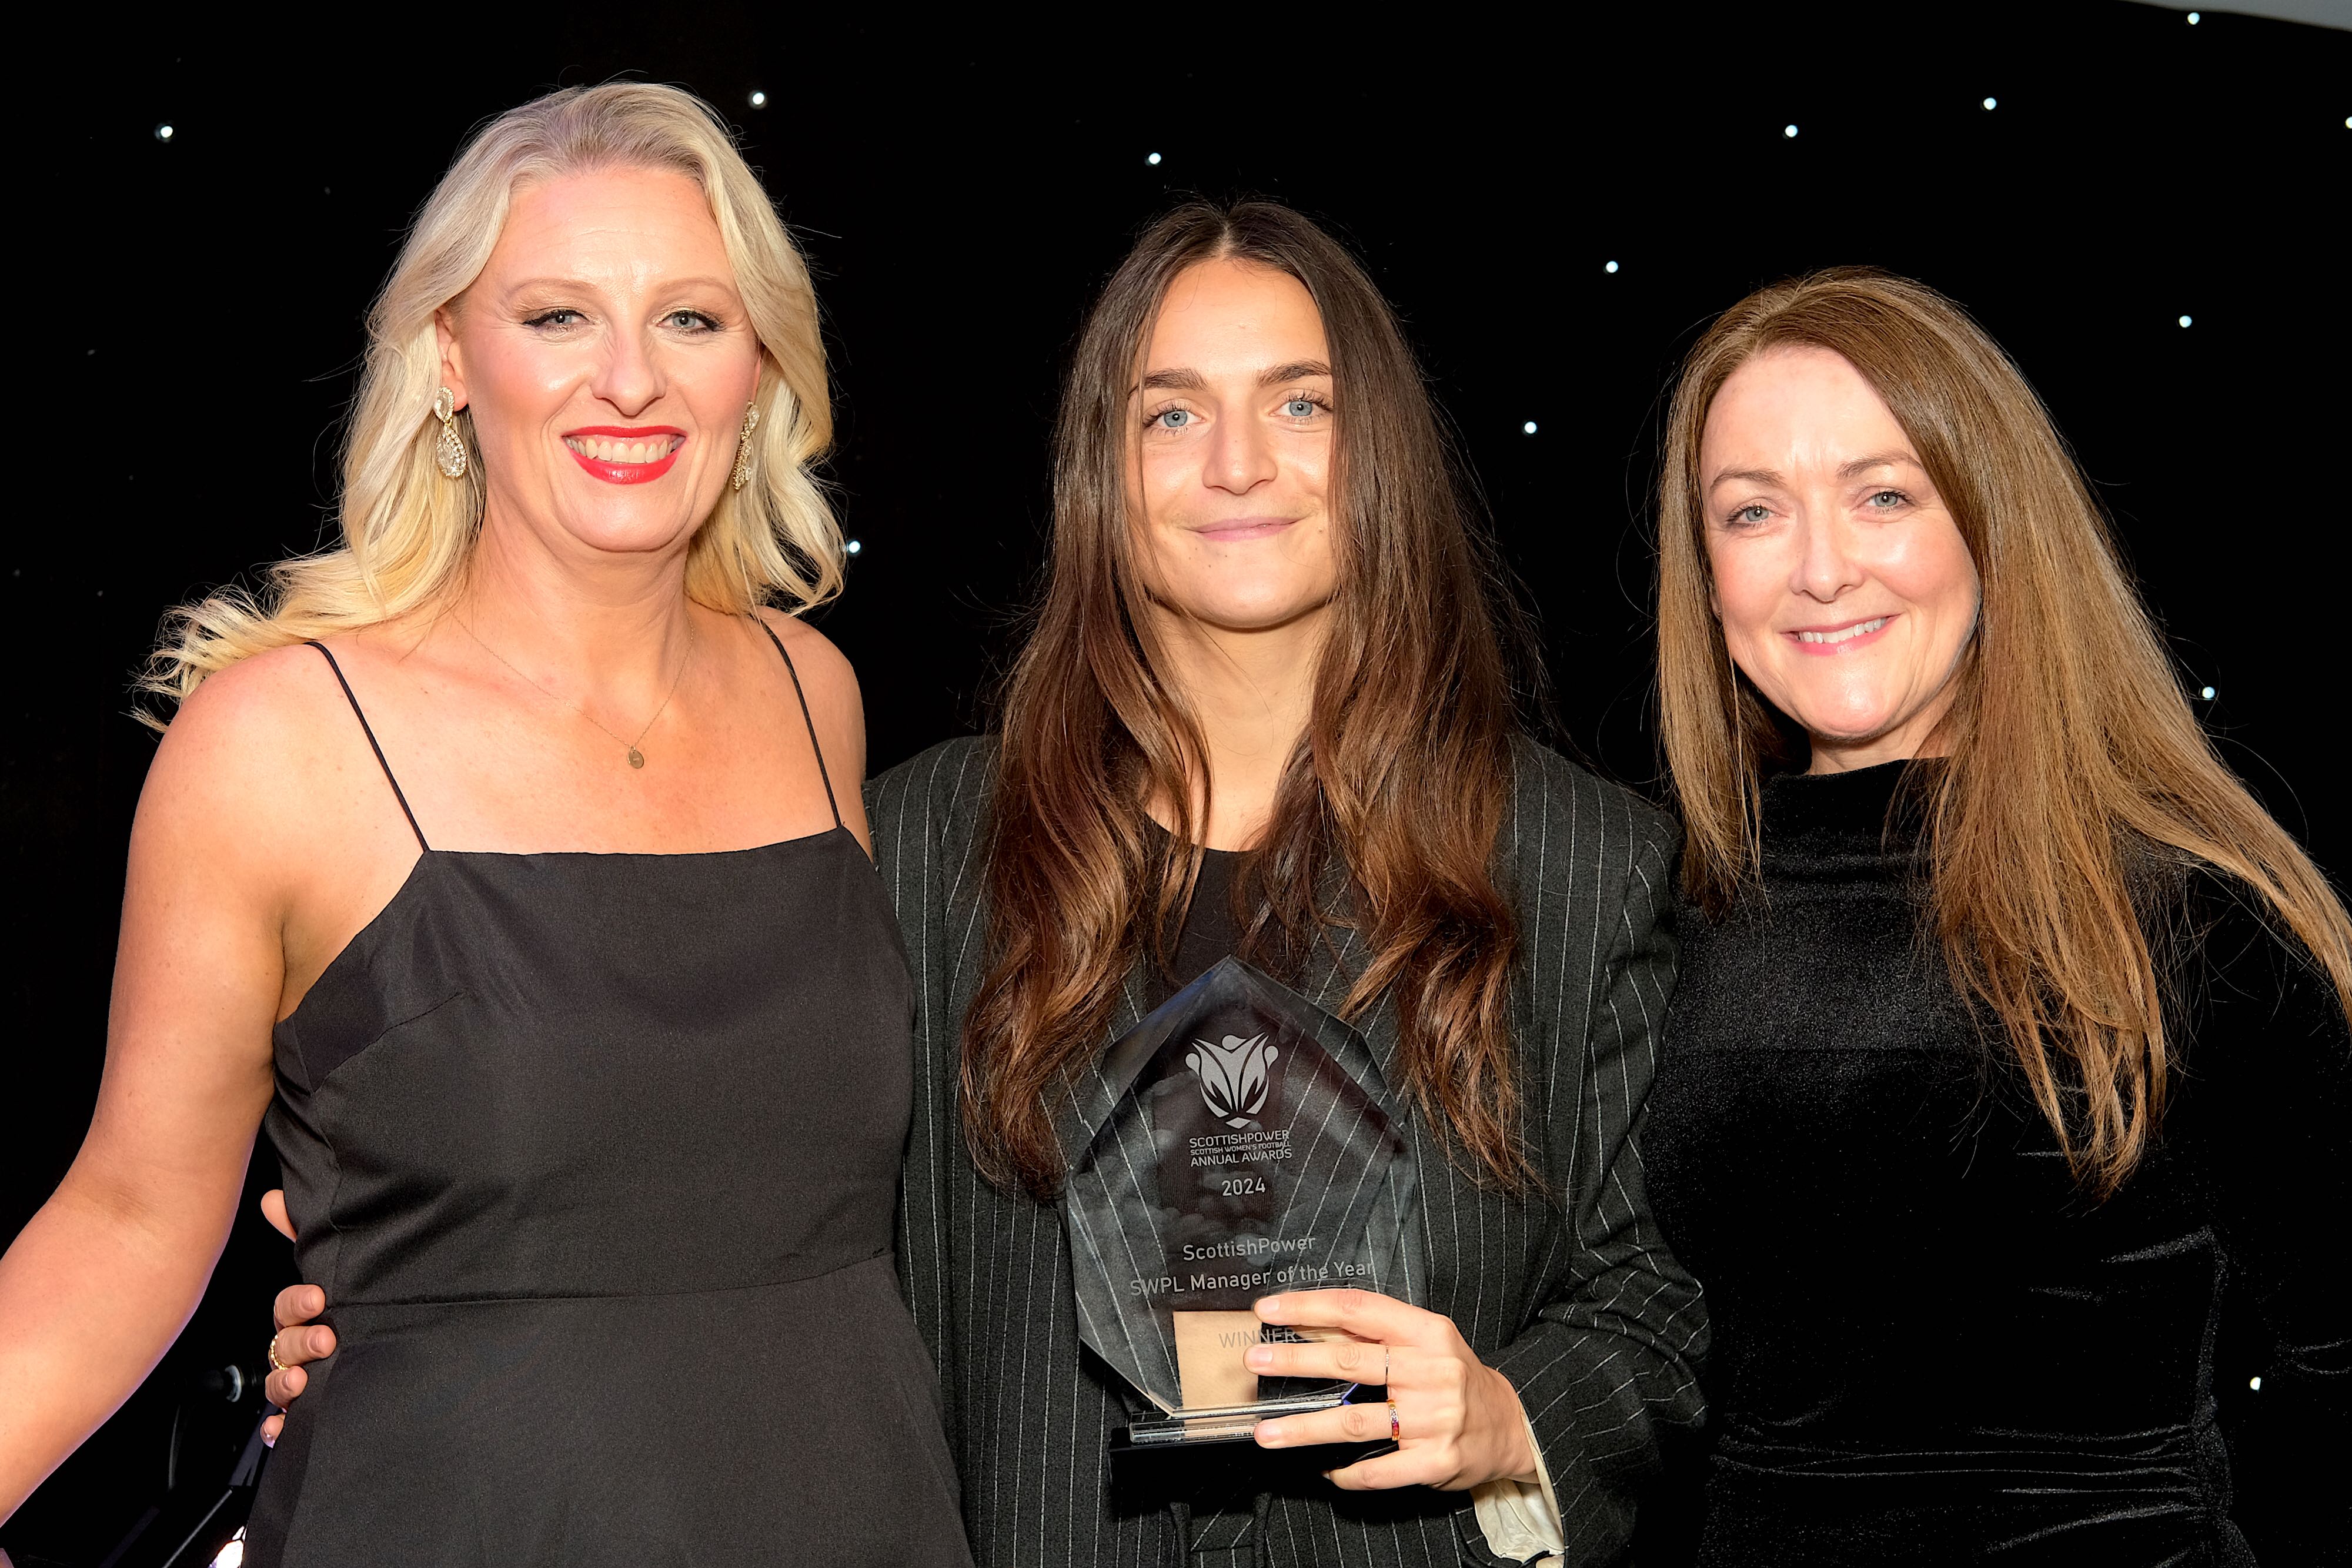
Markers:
point(192, 310)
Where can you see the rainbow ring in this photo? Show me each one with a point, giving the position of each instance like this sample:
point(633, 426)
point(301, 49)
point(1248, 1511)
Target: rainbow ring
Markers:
point(1396, 1431)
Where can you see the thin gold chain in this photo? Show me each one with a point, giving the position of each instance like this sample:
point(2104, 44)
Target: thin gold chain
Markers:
point(636, 757)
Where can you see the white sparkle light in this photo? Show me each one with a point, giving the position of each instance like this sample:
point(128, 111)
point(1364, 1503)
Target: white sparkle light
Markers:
point(2195, 18)
point(1611, 268)
point(1992, 103)
point(233, 1554)
point(2207, 693)
point(2186, 319)
point(164, 132)
point(1529, 428)
point(1152, 158)
point(1788, 130)
point(2256, 1384)
point(853, 547)
point(759, 100)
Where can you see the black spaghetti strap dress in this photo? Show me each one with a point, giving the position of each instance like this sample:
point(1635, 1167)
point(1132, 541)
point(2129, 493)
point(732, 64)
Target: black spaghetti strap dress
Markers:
point(596, 1156)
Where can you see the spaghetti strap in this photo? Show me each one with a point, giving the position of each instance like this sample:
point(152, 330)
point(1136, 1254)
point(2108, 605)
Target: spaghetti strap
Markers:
point(806, 717)
point(369, 730)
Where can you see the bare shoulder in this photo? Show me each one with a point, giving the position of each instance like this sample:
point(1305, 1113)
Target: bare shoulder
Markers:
point(818, 661)
point(242, 748)
point(825, 673)
point(835, 705)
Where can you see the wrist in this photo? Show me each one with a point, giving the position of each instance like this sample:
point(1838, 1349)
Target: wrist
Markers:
point(1517, 1460)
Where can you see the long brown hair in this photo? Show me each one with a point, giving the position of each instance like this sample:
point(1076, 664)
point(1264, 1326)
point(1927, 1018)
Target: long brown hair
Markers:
point(2077, 767)
point(1386, 817)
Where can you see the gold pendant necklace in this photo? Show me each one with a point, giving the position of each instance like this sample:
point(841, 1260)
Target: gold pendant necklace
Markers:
point(637, 757)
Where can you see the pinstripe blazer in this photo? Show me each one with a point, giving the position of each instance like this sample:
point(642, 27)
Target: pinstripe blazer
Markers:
point(1574, 1298)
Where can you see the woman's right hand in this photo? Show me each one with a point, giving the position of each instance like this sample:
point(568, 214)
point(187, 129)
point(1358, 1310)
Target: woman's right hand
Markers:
point(298, 1339)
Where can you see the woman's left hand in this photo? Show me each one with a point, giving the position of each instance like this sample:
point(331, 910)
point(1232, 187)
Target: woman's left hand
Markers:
point(1458, 1421)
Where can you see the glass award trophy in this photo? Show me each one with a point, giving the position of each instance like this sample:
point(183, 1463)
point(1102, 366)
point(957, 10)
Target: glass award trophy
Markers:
point(1235, 1145)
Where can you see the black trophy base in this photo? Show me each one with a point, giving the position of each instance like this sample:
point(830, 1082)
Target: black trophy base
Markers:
point(1155, 1474)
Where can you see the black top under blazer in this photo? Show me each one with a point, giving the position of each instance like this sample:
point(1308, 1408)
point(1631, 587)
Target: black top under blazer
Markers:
point(1573, 1297)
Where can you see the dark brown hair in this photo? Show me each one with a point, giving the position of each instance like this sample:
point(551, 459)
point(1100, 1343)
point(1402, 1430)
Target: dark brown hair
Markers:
point(2076, 762)
point(1386, 817)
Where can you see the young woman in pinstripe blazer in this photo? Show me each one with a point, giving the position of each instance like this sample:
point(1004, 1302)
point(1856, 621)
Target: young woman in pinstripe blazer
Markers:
point(1268, 664)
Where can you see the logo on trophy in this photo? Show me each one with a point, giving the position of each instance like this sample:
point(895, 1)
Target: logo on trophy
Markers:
point(1238, 1145)
point(1233, 1076)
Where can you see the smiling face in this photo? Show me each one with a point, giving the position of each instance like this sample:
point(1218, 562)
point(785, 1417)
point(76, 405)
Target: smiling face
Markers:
point(1229, 477)
point(607, 361)
point(1844, 589)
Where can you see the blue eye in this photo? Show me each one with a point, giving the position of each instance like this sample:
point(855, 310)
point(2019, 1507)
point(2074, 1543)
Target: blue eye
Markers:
point(1887, 499)
point(1172, 418)
point(1300, 408)
point(1754, 512)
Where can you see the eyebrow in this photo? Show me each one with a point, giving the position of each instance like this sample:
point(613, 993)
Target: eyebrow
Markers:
point(1192, 380)
point(560, 284)
point(1860, 465)
point(1296, 370)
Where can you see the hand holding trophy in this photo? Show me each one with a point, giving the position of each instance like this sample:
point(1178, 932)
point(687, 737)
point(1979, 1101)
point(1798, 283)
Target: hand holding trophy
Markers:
point(1233, 1146)
point(1456, 1423)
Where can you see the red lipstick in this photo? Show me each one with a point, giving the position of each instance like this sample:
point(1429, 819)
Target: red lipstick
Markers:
point(613, 438)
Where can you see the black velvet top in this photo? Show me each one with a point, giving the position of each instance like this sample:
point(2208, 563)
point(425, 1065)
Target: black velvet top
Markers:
point(1930, 1345)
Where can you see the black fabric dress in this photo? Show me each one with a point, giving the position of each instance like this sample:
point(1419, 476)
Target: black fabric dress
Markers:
point(595, 1157)
point(1930, 1346)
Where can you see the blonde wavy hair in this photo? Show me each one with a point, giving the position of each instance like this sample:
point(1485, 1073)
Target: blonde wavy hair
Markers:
point(407, 532)
point(2076, 764)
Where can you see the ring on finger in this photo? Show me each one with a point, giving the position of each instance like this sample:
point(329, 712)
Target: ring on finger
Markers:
point(276, 1364)
point(1396, 1429)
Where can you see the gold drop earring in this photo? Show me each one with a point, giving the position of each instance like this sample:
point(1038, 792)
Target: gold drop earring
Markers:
point(743, 446)
point(449, 452)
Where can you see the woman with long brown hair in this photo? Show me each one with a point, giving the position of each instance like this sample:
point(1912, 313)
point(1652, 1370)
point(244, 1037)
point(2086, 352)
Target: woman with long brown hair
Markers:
point(2010, 1023)
point(1266, 711)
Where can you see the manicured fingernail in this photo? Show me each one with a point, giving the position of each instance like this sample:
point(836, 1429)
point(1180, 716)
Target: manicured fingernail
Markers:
point(1270, 1435)
point(1258, 1359)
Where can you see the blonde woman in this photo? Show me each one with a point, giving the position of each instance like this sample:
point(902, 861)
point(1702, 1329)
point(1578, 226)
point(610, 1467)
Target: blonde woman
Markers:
point(516, 844)
point(2008, 1023)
